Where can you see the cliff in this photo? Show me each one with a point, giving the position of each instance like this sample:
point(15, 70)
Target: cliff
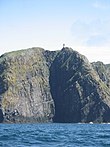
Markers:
point(24, 90)
point(103, 70)
point(78, 92)
point(52, 86)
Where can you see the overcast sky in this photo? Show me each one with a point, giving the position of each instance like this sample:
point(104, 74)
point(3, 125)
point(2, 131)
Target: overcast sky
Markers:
point(83, 25)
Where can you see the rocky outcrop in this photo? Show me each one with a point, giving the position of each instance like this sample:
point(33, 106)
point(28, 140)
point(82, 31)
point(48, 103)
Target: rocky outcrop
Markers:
point(24, 89)
point(103, 71)
point(78, 92)
point(52, 86)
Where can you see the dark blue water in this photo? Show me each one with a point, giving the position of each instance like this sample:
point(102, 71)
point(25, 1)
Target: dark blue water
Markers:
point(54, 135)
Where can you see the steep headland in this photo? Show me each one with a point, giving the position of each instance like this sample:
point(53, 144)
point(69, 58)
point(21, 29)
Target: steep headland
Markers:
point(24, 89)
point(37, 85)
point(78, 92)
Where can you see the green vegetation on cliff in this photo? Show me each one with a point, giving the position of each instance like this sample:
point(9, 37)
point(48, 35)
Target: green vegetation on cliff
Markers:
point(38, 85)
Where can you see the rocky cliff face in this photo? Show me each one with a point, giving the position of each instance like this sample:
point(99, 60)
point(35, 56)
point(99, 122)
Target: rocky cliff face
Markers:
point(78, 92)
point(59, 86)
point(103, 71)
point(24, 89)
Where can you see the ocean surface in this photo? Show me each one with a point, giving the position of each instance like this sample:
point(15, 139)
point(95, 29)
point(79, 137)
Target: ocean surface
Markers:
point(55, 135)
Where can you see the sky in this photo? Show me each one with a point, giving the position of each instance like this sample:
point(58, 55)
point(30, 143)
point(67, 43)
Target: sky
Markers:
point(83, 25)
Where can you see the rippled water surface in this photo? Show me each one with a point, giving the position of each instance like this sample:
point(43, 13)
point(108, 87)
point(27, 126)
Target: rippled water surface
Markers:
point(54, 135)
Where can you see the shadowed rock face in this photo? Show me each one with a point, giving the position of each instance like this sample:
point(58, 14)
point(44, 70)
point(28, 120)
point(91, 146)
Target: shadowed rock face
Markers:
point(78, 92)
point(44, 86)
point(1, 116)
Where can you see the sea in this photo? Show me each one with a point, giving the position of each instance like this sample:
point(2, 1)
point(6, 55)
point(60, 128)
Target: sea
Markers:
point(55, 135)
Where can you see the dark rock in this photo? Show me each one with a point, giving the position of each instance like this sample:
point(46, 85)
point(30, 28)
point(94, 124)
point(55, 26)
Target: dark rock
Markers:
point(1, 116)
point(78, 92)
point(37, 85)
